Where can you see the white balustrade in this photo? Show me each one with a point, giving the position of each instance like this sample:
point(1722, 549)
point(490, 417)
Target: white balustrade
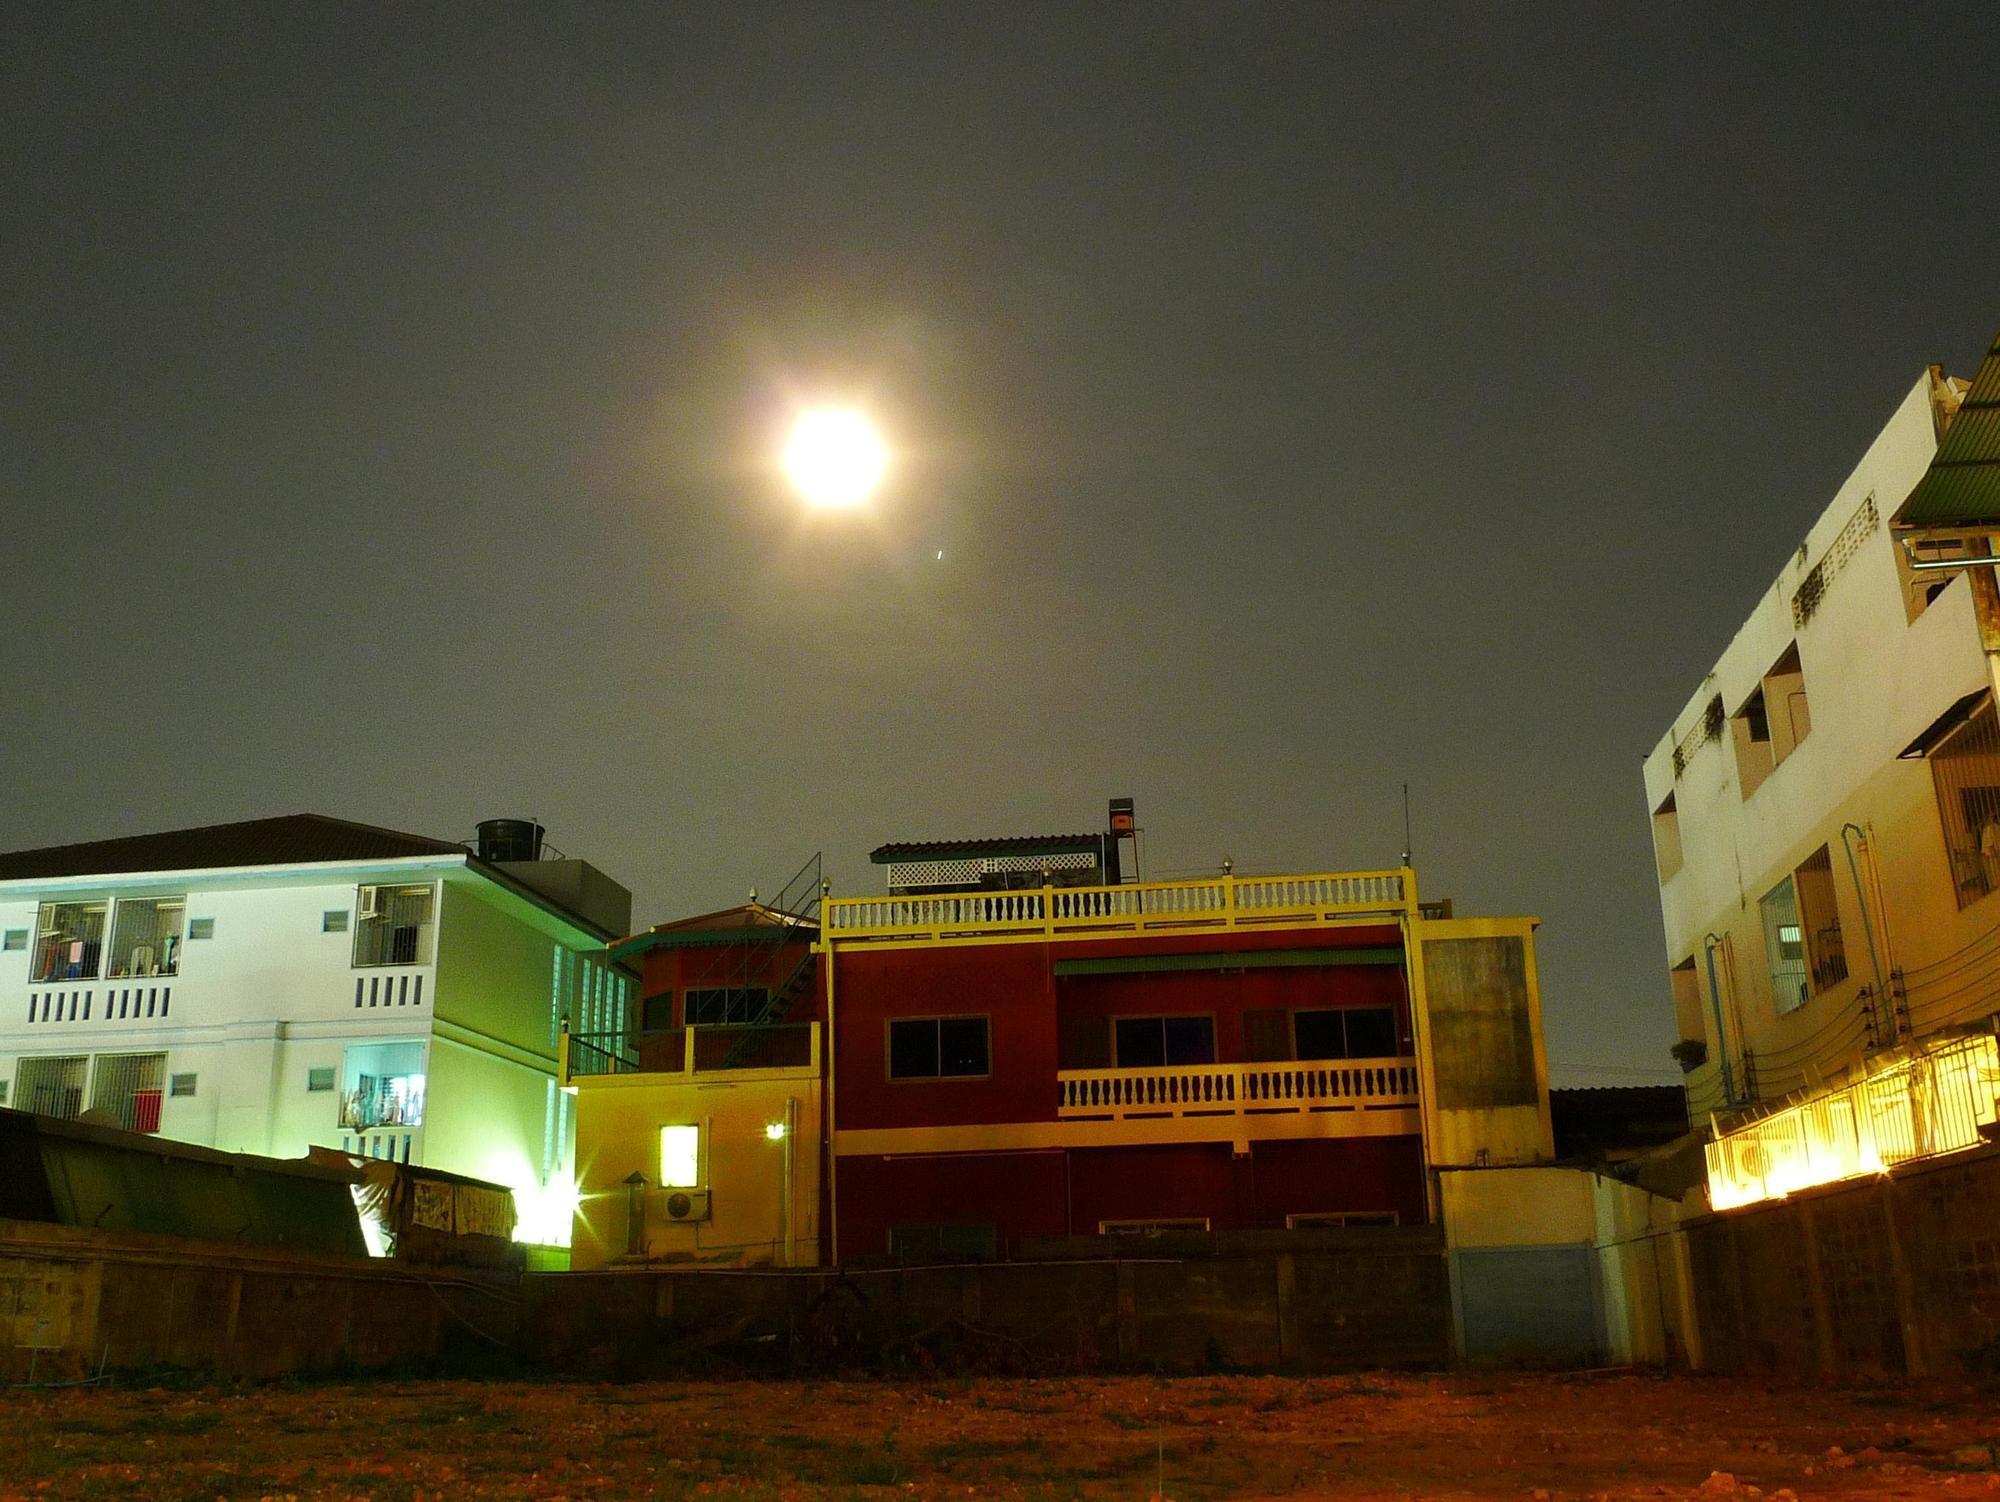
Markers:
point(1131, 908)
point(1215, 1089)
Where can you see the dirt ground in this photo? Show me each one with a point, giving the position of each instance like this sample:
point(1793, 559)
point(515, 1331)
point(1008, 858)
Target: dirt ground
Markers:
point(1188, 1439)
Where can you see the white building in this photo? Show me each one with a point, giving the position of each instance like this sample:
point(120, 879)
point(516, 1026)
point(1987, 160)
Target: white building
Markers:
point(1826, 806)
point(301, 981)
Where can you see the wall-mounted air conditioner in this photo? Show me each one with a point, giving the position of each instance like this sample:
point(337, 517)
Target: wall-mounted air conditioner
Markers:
point(369, 897)
point(686, 1204)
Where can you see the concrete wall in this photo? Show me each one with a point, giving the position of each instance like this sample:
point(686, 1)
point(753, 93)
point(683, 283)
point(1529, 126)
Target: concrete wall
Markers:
point(130, 1301)
point(1895, 1274)
point(1382, 1301)
point(1874, 680)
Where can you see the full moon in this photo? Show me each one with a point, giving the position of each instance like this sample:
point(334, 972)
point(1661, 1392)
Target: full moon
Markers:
point(834, 457)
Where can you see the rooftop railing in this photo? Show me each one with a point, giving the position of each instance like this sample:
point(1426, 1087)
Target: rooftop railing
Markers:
point(1224, 902)
point(693, 1050)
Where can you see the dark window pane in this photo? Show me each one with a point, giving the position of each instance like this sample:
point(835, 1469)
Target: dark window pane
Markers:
point(1371, 1033)
point(1320, 1035)
point(962, 1046)
point(1141, 1043)
point(913, 1050)
point(1190, 1040)
point(656, 1013)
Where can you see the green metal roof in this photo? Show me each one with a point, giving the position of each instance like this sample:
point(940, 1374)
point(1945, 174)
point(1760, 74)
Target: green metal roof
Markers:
point(1962, 486)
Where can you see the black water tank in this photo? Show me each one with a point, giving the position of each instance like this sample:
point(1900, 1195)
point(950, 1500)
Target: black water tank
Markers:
point(509, 840)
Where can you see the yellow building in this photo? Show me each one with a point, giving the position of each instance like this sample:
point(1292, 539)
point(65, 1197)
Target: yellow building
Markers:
point(1826, 821)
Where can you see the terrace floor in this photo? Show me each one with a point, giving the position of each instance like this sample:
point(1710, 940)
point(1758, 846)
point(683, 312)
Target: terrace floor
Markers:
point(1460, 1436)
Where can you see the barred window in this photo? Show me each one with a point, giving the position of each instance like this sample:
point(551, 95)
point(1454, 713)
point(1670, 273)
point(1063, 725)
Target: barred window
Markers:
point(1965, 766)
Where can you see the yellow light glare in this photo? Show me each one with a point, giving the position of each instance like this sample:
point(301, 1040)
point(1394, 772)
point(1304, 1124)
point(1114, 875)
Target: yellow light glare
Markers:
point(834, 457)
point(775, 1131)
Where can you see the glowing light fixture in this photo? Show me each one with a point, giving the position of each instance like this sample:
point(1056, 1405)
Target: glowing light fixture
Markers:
point(834, 457)
point(775, 1131)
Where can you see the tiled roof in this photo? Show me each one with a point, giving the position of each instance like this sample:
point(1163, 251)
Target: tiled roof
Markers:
point(1962, 486)
point(949, 850)
point(291, 839)
point(751, 921)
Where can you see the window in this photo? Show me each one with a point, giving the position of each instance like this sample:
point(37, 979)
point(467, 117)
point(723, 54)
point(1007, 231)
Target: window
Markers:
point(1965, 770)
point(1923, 585)
point(3, 1092)
point(1346, 1033)
point(929, 1048)
point(53, 1087)
point(382, 1085)
point(1155, 1227)
point(1157, 1042)
point(181, 1085)
point(146, 937)
point(126, 1089)
point(680, 1157)
point(1819, 918)
point(333, 921)
point(1323, 1220)
point(1785, 946)
point(725, 1006)
point(320, 1081)
point(201, 928)
point(14, 938)
point(1771, 723)
point(974, 1243)
point(1686, 986)
point(1667, 838)
point(656, 1014)
point(395, 925)
point(69, 940)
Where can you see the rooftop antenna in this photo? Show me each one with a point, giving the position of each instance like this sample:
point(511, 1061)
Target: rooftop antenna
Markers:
point(1406, 823)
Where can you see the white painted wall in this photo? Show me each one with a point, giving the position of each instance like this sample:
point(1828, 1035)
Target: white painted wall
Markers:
point(1874, 680)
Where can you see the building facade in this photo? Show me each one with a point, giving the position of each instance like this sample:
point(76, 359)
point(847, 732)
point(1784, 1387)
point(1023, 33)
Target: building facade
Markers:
point(1000, 1062)
point(280, 984)
point(1826, 811)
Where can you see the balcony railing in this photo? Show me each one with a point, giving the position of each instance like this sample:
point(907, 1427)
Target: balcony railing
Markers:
point(694, 1050)
point(1139, 907)
point(1230, 1089)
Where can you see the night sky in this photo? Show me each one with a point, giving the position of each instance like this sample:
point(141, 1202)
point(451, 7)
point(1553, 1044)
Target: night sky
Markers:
point(1305, 400)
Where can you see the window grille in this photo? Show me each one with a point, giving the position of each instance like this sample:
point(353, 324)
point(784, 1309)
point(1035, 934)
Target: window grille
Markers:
point(51, 1086)
point(69, 941)
point(1707, 728)
point(1965, 769)
point(146, 937)
point(127, 1089)
point(395, 926)
point(1785, 946)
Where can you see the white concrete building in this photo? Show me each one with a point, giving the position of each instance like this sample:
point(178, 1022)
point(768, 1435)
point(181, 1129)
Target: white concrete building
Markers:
point(284, 983)
point(1826, 807)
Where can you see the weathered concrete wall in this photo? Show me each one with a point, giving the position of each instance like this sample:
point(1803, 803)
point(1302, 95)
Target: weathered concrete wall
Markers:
point(1308, 1310)
point(1899, 1273)
point(133, 1300)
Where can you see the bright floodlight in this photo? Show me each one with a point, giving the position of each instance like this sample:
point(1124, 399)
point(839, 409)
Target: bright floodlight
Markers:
point(834, 457)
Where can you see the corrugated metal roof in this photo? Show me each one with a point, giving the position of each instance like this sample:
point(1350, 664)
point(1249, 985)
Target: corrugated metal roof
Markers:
point(291, 839)
point(1024, 844)
point(1962, 486)
point(752, 922)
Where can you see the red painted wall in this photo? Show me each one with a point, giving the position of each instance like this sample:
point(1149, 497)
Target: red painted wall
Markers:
point(665, 970)
point(1058, 1194)
point(1010, 984)
point(1019, 1194)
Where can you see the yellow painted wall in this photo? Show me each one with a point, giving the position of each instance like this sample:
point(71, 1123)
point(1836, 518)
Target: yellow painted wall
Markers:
point(1502, 1116)
point(618, 1121)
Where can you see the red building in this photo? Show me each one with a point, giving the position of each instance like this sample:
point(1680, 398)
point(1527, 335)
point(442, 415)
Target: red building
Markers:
point(1021, 1045)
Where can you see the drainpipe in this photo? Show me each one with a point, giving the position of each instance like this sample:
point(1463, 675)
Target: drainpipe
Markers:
point(1867, 923)
point(1709, 944)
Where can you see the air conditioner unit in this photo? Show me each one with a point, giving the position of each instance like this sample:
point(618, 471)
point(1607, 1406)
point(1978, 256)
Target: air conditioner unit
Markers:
point(686, 1204)
point(369, 898)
